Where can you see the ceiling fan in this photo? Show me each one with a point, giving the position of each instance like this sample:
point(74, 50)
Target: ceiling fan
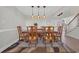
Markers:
point(60, 14)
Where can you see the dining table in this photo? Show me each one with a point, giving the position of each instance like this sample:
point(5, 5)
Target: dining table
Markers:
point(40, 32)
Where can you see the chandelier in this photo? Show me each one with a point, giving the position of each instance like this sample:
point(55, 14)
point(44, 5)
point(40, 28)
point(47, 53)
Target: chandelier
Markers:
point(38, 16)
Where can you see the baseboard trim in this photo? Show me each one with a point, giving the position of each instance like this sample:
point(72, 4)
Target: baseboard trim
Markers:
point(5, 47)
point(70, 50)
point(4, 30)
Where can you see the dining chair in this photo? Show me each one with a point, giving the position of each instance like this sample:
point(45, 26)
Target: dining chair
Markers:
point(32, 35)
point(58, 35)
point(22, 35)
point(48, 36)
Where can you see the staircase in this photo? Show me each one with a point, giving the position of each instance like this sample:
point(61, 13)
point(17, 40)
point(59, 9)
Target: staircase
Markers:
point(72, 34)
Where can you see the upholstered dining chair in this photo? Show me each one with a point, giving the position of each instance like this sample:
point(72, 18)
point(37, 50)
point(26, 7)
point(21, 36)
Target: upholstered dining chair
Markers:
point(22, 35)
point(32, 35)
point(48, 36)
point(58, 35)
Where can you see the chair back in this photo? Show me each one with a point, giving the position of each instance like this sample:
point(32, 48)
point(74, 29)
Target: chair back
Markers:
point(48, 28)
point(60, 29)
point(48, 33)
point(19, 29)
point(32, 32)
point(32, 29)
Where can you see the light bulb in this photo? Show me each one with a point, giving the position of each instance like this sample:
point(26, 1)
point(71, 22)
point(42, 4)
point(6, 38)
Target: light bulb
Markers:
point(44, 16)
point(38, 17)
point(32, 16)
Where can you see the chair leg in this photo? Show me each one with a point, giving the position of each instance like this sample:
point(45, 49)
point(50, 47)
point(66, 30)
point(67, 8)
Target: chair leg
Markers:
point(29, 44)
point(43, 41)
point(51, 44)
point(54, 38)
point(60, 39)
point(35, 43)
point(45, 44)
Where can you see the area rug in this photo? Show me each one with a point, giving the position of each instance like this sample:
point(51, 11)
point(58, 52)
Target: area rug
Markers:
point(39, 50)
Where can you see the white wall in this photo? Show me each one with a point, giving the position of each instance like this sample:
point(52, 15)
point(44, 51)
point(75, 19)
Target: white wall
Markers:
point(7, 38)
point(43, 22)
point(9, 19)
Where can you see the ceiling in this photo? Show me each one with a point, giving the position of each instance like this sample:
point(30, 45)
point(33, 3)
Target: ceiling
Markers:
point(50, 11)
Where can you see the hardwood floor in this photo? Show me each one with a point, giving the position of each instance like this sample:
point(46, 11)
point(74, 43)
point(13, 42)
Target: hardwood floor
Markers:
point(21, 49)
point(39, 50)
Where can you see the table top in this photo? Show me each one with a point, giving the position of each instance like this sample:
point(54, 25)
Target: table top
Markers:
point(39, 31)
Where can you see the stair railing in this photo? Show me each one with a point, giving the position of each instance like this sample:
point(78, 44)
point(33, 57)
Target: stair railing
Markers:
point(72, 24)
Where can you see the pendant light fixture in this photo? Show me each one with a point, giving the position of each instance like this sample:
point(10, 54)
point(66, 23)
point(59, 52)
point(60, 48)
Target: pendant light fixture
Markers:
point(38, 12)
point(32, 12)
point(44, 16)
point(38, 16)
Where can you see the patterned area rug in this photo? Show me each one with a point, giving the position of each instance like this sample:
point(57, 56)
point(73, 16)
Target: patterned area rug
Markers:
point(39, 50)
point(49, 50)
point(42, 50)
